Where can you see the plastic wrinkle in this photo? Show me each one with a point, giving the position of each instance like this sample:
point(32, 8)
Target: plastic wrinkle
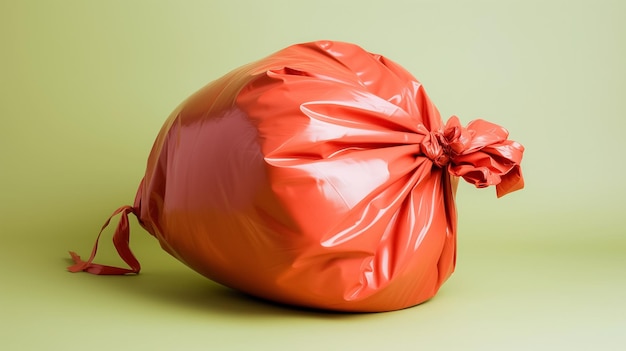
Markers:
point(320, 176)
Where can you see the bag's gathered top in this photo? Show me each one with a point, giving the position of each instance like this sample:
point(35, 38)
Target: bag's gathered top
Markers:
point(320, 176)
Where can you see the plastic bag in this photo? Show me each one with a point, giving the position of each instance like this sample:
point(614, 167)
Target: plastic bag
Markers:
point(320, 176)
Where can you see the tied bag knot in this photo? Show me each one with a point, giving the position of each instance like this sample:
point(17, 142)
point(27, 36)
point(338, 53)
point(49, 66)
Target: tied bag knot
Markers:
point(481, 153)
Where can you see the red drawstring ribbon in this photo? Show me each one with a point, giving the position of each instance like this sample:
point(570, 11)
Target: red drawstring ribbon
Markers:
point(121, 242)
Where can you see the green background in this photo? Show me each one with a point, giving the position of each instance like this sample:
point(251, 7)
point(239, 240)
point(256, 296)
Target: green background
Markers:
point(86, 85)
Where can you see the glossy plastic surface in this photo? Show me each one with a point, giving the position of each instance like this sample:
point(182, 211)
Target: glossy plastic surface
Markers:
point(320, 176)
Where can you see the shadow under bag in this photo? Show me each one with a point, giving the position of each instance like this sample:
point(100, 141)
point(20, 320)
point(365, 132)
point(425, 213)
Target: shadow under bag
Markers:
point(320, 176)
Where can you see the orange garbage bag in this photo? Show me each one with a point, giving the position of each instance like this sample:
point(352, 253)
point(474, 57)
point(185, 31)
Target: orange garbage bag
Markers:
point(320, 176)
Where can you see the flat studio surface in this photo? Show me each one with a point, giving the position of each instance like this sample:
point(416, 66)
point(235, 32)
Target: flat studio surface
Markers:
point(86, 86)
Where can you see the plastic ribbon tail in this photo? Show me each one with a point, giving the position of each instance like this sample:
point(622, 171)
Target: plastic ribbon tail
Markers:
point(479, 153)
point(121, 243)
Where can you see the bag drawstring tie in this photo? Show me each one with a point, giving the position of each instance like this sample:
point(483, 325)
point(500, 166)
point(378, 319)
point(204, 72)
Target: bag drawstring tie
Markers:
point(120, 241)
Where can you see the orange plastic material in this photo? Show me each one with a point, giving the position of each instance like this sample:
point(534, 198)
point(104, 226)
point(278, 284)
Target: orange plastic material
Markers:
point(320, 176)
